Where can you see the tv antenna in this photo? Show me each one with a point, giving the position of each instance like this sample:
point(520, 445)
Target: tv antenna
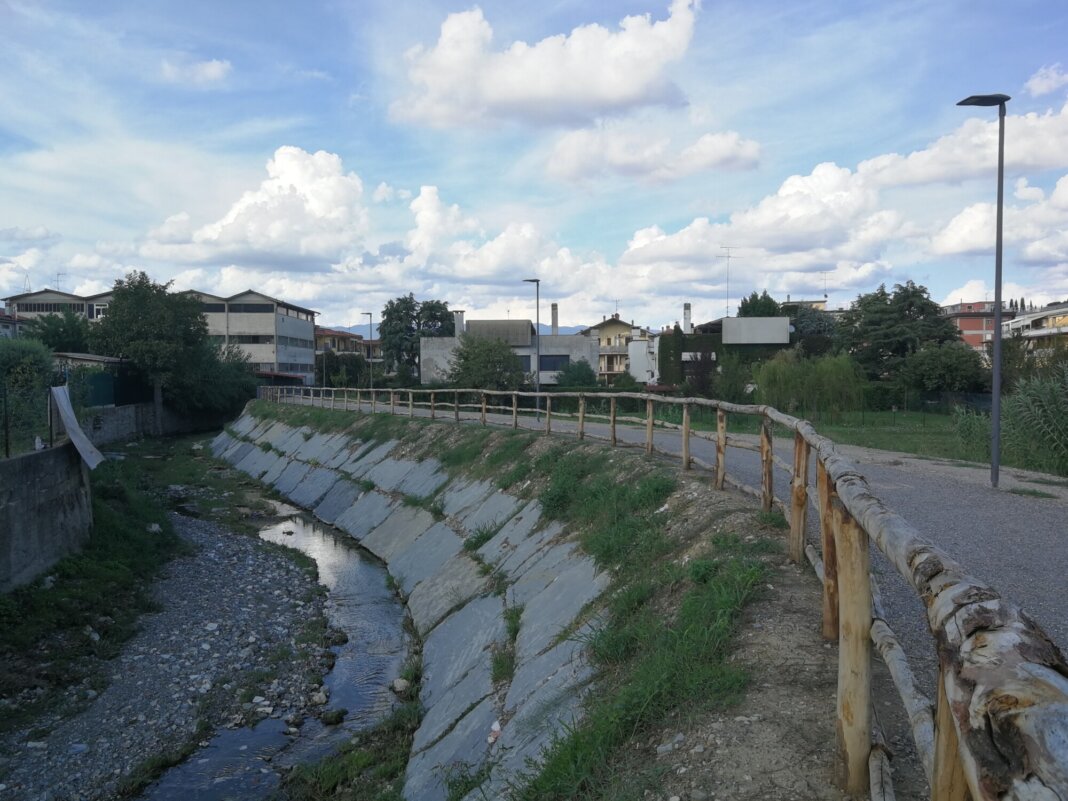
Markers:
point(727, 298)
point(26, 284)
point(59, 280)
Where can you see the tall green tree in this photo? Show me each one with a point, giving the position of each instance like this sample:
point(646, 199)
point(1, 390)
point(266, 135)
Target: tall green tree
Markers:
point(404, 320)
point(66, 333)
point(24, 363)
point(950, 367)
point(762, 305)
point(165, 336)
point(883, 328)
point(481, 363)
point(577, 374)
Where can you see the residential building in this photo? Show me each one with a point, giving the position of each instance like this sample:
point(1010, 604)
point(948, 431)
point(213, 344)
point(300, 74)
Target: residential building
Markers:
point(1042, 329)
point(643, 358)
point(338, 340)
point(613, 337)
point(277, 336)
point(557, 351)
point(975, 321)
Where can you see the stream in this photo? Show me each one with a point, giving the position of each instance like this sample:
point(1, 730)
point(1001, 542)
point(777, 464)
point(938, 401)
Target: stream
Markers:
point(245, 764)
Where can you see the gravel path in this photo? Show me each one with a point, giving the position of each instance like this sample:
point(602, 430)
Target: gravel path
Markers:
point(234, 607)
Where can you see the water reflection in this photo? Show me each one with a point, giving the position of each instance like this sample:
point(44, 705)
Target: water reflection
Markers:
point(242, 764)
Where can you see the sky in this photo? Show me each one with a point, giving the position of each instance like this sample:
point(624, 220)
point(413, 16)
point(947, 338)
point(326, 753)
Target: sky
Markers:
point(633, 155)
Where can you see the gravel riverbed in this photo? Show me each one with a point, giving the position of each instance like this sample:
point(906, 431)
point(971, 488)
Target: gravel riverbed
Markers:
point(224, 651)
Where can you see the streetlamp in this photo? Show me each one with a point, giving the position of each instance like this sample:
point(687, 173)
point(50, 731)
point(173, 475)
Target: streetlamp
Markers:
point(537, 342)
point(370, 351)
point(995, 406)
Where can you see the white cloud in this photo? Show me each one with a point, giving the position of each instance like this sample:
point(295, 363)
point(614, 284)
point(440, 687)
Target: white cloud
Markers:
point(978, 290)
point(587, 73)
point(434, 223)
point(195, 73)
point(35, 233)
point(1045, 80)
point(591, 153)
point(308, 212)
point(384, 193)
point(1032, 142)
point(1040, 227)
point(1024, 191)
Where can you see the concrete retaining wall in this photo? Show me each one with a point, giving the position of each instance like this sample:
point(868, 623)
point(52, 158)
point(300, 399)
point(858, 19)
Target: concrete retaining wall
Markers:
point(104, 424)
point(453, 595)
point(45, 512)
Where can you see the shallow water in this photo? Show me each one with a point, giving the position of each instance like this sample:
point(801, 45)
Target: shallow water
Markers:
point(240, 764)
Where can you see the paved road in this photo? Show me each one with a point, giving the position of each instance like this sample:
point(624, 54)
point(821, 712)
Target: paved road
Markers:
point(1015, 543)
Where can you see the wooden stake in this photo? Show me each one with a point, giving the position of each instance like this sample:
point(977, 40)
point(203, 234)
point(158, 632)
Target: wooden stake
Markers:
point(456, 406)
point(612, 420)
point(949, 782)
point(582, 417)
point(359, 400)
point(826, 496)
point(374, 401)
point(685, 436)
point(721, 448)
point(482, 415)
point(854, 652)
point(392, 402)
point(515, 410)
point(548, 414)
point(432, 393)
point(799, 500)
point(649, 426)
point(767, 491)
point(333, 396)
point(411, 403)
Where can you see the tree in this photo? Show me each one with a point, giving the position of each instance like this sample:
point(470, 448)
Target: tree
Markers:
point(577, 374)
point(342, 369)
point(763, 305)
point(165, 336)
point(66, 333)
point(481, 363)
point(24, 363)
point(950, 367)
point(882, 329)
point(404, 320)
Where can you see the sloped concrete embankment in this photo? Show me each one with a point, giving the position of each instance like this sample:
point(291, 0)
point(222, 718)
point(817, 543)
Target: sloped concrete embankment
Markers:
point(453, 595)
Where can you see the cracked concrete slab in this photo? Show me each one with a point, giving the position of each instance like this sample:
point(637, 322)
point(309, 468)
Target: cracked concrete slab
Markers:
point(423, 558)
point(341, 496)
point(397, 532)
point(459, 580)
point(364, 515)
point(553, 610)
point(458, 643)
point(424, 779)
point(424, 480)
point(314, 486)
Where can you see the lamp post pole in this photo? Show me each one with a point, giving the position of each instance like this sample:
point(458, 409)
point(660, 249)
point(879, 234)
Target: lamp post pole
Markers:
point(370, 351)
point(537, 342)
point(995, 356)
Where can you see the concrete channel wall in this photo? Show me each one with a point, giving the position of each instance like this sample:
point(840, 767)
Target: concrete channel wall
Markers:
point(454, 595)
point(45, 512)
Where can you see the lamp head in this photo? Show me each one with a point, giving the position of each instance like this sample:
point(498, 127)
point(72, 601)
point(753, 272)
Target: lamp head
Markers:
point(531, 280)
point(984, 100)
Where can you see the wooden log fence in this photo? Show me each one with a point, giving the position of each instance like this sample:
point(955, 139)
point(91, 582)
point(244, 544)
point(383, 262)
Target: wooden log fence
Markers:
point(998, 728)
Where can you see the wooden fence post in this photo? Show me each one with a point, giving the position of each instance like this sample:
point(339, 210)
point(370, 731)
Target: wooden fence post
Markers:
point(482, 415)
point(612, 420)
point(548, 414)
point(359, 399)
point(854, 652)
point(392, 402)
point(685, 436)
point(582, 417)
point(432, 393)
point(374, 401)
point(515, 410)
point(721, 448)
point(411, 403)
point(333, 395)
point(798, 500)
point(649, 426)
point(456, 406)
point(767, 466)
point(826, 496)
point(948, 783)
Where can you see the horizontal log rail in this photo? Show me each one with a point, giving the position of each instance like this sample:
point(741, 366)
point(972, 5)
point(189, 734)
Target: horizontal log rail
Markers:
point(999, 727)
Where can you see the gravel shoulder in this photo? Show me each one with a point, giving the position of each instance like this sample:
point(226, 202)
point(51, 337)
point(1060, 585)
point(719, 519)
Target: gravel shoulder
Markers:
point(234, 642)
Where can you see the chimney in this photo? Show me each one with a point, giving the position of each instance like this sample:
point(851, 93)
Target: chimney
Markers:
point(556, 320)
point(458, 321)
point(687, 325)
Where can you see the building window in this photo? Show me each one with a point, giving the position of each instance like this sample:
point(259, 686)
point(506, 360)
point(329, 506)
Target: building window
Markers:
point(553, 362)
point(50, 308)
point(213, 308)
point(252, 339)
point(524, 363)
point(251, 308)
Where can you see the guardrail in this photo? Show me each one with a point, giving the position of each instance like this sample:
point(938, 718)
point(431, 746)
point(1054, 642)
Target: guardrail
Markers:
point(999, 726)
